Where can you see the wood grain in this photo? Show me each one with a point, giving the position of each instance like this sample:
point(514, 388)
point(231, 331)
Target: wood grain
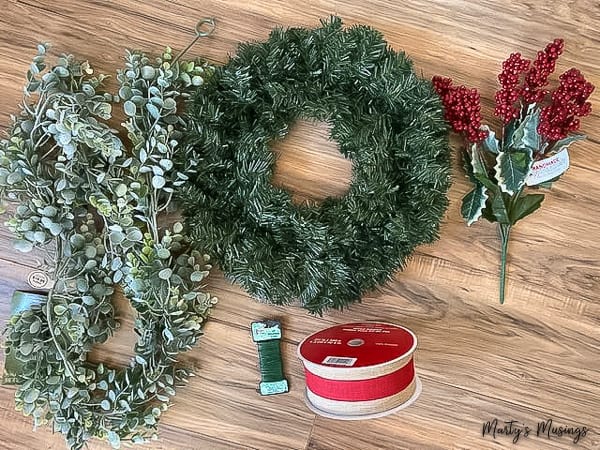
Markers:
point(537, 357)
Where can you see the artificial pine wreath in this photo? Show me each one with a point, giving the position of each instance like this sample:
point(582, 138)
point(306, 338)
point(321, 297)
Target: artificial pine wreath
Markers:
point(384, 117)
point(91, 205)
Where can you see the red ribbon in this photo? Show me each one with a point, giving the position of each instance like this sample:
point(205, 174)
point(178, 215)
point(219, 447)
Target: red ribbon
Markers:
point(361, 390)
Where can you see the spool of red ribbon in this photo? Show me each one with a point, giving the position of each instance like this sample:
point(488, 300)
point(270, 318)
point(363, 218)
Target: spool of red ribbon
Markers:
point(360, 370)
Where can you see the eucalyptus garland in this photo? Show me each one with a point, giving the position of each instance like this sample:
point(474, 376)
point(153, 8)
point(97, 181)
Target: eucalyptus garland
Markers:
point(91, 202)
point(384, 117)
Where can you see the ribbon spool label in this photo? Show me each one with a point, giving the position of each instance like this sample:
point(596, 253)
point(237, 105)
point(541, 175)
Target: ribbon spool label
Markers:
point(357, 345)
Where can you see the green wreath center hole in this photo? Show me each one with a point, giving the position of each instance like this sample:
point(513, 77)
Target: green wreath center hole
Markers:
point(309, 164)
point(118, 350)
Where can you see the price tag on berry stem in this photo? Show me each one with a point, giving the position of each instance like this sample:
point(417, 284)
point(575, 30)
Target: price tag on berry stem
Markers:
point(548, 168)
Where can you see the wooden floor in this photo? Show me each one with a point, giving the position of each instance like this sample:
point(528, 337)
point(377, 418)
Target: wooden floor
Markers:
point(535, 358)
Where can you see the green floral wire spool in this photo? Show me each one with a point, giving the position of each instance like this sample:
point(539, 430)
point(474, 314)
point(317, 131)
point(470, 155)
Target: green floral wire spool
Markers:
point(385, 118)
point(267, 335)
point(91, 208)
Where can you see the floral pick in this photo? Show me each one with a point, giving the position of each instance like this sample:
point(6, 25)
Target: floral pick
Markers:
point(538, 127)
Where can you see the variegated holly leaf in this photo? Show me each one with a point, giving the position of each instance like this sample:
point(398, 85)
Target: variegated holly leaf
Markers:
point(512, 168)
point(498, 205)
point(473, 204)
point(490, 143)
point(526, 134)
point(476, 167)
point(566, 142)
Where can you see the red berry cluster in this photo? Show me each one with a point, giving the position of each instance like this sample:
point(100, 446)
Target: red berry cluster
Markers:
point(509, 79)
point(462, 108)
point(543, 66)
point(569, 101)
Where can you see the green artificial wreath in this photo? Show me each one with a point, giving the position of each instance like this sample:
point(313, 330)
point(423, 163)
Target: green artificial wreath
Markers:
point(90, 202)
point(384, 117)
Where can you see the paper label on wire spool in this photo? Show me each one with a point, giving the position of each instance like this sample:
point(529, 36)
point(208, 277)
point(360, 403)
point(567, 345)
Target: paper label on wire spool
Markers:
point(361, 344)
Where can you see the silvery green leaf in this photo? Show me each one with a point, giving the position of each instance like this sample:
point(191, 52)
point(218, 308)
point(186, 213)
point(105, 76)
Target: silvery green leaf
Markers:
point(39, 236)
point(148, 72)
point(55, 229)
point(90, 251)
point(157, 101)
point(125, 92)
point(49, 211)
point(158, 181)
point(23, 246)
point(186, 79)
point(121, 190)
point(153, 110)
point(116, 237)
point(113, 439)
point(197, 276)
point(129, 108)
point(61, 184)
point(34, 327)
point(88, 300)
point(169, 103)
point(31, 395)
point(59, 310)
point(166, 164)
point(27, 126)
point(168, 335)
point(117, 277)
point(105, 405)
point(177, 227)
point(26, 349)
point(82, 285)
point(197, 80)
point(14, 178)
point(165, 274)
point(163, 253)
point(61, 71)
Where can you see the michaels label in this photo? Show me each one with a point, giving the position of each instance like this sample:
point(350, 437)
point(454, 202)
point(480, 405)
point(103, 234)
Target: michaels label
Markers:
point(548, 169)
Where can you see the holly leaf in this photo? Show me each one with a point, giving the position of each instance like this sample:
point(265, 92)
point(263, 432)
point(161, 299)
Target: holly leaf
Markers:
point(526, 135)
point(490, 143)
point(488, 213)
point(566, 142)
point(525, 206)
point(473, 204)
point(509, 130)
point(476, 168)
point(547, 184)
point(498, 206)
point(512, 168)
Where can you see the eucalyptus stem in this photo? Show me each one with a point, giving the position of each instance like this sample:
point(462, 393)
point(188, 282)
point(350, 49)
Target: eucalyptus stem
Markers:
point(504, 230)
